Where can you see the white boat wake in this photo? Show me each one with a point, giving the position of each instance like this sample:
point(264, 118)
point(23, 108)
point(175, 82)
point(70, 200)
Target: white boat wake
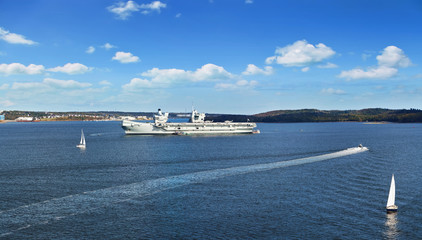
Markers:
point(41, 213)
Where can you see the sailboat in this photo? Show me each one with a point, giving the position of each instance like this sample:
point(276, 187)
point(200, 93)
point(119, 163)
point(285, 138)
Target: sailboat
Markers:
point(82, 144)
point(391, 207)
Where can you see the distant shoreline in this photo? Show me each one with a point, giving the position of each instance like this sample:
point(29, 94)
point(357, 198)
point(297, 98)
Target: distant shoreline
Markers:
point(367, 116)
point(14, 121)
point(382, 122)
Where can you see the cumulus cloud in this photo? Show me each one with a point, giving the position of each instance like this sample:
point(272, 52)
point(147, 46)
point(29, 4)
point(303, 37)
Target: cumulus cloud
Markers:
point(393, 56)
point(253, 70)
point(90, 50)
point(108, 46)
point(300, 54)
point(210, 72)
point(137, 84)
point(332, 91)
point(161, 78)
point(125, 57)
point(390, 59)
point(328, 65)
point(14, 38)
point(71, 68)
point(50, 83)
point(56, 83)
point(239, 84)
point(153, 6)
point(18, 68)
point(380, 72)
point(166, 76)
point(124, 10)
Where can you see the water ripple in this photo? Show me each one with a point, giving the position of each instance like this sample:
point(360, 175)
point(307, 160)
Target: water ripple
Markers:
point(15, 220)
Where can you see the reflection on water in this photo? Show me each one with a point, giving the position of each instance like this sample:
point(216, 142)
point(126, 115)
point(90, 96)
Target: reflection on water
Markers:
point(391, 222)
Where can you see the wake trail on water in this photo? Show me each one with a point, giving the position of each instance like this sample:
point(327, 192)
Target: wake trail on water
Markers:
point(41, 213)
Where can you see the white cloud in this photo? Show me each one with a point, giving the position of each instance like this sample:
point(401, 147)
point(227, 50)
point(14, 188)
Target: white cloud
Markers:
point(239, 84)
point(14, 38)
point(50, 83)
point(328, 65)
point(108, 46)
point(137, 84)
point(253, 70)
point(178, 15)
point(248, 1)
point(332, 91)
point(153, 6)
point(18, 68)
point(105, 83)
point(90, 49)
point(125, 57)
point(166, 76)
point(300, 54)
point(124, 10)
point(4, 86)
point(6, 103)
point(162, 78)
point(26, 85)
point(56, 83)
point(210, 72)
point(389, 61)
point(305, 69)
point(393, 56)
point(374, 73)
point(71, 68)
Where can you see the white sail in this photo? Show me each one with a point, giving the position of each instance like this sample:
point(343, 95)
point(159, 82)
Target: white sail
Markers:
point(392, 194)
point(82, 138)
point(82, 143)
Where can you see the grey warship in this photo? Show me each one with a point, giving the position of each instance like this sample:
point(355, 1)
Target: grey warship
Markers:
point(196, 125)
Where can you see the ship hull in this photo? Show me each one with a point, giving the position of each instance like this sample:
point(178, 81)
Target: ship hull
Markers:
point(139, 128)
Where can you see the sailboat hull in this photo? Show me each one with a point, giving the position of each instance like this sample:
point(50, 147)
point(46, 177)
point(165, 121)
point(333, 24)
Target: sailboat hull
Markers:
point(391, 209)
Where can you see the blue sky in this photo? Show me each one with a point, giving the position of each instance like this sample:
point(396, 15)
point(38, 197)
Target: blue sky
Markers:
point(222, 56)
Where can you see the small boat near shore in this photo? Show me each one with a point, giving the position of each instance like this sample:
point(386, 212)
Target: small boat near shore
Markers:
point(27, 119)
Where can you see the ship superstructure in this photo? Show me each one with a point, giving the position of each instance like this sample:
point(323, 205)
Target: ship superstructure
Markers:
point(196, 125)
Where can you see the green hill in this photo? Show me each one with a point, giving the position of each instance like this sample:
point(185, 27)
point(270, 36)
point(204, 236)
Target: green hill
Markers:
point(315, 115)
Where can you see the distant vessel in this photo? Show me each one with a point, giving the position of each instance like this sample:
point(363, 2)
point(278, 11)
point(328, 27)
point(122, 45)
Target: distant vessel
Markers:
point(82, 143)
point(196, 125)
point(391, 207)
point(26, 119)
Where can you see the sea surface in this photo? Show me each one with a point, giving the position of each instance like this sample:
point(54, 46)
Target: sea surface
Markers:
point(279, 184)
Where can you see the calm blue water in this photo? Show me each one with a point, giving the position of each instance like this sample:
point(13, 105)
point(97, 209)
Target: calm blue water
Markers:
point(189, 187)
